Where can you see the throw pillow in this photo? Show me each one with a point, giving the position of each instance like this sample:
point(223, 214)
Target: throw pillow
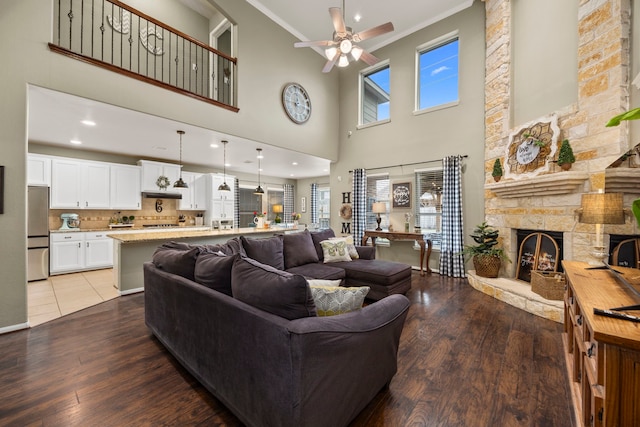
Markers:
point(174, 258)
point(299, 249)
point(278, 292)
point(353, 252)
point(332, 300)
point(213, 270)
point(266, 251)
point(335, 251)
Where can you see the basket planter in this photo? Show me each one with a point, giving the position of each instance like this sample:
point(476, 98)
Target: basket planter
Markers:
point(548, 284)
point(487, 265)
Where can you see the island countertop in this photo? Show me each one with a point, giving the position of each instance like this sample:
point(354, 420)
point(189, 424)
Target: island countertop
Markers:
point(175, 233)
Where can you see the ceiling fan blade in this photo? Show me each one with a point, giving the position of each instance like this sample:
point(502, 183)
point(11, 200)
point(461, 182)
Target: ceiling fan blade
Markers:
point(314, 43)
point(368, 58)
point(330, 63)
point(373, 32)
point(338, 22)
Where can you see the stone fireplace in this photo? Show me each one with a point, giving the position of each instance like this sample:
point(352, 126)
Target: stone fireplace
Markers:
point(535, 194)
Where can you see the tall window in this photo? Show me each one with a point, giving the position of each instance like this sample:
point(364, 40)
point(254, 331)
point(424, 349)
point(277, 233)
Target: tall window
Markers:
point(429, 204)
point(374, 94)
point(275, 197)
point(324, 207)
point(249, 203)
point(378, 191)
point(437, 73)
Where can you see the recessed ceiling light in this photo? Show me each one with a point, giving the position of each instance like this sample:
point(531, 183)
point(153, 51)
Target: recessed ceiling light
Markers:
point(295, 163)
point(88, 122)
point(214, 145)
point(357, 17)
point(260, 156)
point(227, 164)
point(75, 141)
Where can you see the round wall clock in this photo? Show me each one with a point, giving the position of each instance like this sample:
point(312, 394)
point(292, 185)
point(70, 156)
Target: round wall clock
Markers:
point(296, 103)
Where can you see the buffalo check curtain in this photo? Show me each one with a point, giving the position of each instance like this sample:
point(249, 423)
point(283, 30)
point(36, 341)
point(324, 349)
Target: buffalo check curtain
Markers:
point(359, 209)
point(451, 258)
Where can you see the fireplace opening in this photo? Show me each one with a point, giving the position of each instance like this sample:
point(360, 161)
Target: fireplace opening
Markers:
point(538, 251)
point(624, 250)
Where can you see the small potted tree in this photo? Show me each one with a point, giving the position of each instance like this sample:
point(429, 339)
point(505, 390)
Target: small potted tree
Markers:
point(565, 156)
point(497, 170)
point(487, 258)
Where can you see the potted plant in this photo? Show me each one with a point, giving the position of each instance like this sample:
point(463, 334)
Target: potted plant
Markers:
point(497, 170)
point(565, 156)
point(487, 258)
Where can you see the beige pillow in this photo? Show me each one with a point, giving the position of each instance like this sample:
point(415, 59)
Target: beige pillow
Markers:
point(335, 251)
point(353, 252)
point(333, 300)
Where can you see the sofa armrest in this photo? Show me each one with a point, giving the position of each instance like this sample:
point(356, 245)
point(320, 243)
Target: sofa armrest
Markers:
point(366, 252)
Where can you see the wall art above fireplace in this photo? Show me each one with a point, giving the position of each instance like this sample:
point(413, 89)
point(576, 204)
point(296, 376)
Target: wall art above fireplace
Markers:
point(531, 148)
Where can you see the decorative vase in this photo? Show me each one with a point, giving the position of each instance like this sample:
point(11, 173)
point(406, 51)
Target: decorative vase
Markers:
point(406, 227)
point(487, 265)
point(258, 221)
point(295, 223)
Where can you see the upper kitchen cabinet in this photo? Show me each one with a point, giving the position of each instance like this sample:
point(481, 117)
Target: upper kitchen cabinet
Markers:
point(151, 171)
point(38, 170)
point(77, 184)
point(125, 187)
point(195, 197)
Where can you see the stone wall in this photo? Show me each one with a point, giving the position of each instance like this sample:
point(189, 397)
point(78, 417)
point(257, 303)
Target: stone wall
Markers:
point(603, 81)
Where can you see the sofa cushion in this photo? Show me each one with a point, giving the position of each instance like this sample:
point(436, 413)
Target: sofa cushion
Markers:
point(335, 251)
point(333, 300)
point(213, 270)
point(319, 236)
point(316, 270)
point(353, 252)
point(381, 272)
point(298, 249)
point(230, 247)
point(176, 258)
point(278, 292)
point(266, 251)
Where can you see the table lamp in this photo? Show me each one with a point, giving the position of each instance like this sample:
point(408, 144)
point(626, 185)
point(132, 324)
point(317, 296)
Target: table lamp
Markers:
point(378, 208)
point(277, 209)
point(601, 208)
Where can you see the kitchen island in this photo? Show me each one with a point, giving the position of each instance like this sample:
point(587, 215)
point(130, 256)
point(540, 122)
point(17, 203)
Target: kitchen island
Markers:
point(131, 250)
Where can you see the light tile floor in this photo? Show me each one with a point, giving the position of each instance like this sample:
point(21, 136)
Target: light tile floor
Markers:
point(60, 295)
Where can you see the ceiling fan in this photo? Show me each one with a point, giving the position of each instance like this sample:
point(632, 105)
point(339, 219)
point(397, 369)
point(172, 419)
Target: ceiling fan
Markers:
point(344, 41)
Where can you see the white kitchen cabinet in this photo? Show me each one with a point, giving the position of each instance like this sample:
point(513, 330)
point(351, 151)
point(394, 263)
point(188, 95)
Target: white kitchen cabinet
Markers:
point(151, 171)
point(195, 197)
point(98, 250)
point(125, 187)
point(79, 251)
point(221, 204)
point(38, 170)
point(77, 184)
point(66, 252)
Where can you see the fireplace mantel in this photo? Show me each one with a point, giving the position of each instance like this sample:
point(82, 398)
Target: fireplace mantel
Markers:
point(541, 185)
point(622, 180)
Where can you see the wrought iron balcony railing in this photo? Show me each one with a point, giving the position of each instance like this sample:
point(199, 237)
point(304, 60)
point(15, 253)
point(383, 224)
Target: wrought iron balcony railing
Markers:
point(113, 35)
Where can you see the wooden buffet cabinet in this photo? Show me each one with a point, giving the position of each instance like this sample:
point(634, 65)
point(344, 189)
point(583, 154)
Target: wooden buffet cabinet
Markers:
point(602, 353)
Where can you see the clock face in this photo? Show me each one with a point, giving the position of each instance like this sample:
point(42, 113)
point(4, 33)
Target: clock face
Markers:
point(296, 102)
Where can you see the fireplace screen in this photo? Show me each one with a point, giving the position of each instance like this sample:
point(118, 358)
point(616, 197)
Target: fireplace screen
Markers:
point(538, 251)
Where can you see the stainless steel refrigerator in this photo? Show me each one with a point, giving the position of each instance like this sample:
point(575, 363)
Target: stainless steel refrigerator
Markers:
point(38, 233)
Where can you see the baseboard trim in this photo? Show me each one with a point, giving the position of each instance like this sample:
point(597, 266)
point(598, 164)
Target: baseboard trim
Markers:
point(131, 291)
point(14, 328)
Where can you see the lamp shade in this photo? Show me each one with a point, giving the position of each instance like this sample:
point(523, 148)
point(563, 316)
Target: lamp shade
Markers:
point(379, 207)
point(277, 208)
point(602, 208)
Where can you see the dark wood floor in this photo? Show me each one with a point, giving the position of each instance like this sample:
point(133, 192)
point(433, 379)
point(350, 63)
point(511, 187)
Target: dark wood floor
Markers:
point(465, 359)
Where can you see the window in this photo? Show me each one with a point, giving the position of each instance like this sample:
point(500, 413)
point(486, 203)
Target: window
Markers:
point(377, 191)
point(324, 207)
point(374, 95)
point(275, 198)
point(429, 204)
point(437, 73)
point(248, 204)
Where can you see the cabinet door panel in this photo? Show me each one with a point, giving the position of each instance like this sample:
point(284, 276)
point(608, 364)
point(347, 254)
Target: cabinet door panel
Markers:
point(67, 256)
point(66, 179)
point(99, 253)
point(125, 187)
point(96, 186)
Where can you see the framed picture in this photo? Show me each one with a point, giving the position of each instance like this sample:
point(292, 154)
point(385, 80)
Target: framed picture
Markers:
point(303, 204)
point(401, 195)
point(1, 189)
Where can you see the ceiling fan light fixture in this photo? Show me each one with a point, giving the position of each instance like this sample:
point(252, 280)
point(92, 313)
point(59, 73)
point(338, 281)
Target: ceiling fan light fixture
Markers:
point(180, 183)
point(356, 52)
point(343, 61)
point(331, 53)
point(345, 46)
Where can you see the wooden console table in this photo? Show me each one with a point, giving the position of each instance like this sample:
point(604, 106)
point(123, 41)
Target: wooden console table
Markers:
point(396, 235)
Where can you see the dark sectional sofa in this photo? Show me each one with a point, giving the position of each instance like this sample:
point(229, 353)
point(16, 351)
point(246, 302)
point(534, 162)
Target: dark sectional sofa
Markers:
point(248, 332)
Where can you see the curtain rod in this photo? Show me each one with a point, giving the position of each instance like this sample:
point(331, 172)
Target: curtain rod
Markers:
point(464, 156)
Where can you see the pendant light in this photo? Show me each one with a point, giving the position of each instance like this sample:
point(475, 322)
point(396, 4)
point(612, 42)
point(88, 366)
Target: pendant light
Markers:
point(224, 186)
point(259, 189)
point(180, 183)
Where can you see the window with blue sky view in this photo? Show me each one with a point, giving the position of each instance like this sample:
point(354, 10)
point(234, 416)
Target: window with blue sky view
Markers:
point(438, 75)
point(375, 96)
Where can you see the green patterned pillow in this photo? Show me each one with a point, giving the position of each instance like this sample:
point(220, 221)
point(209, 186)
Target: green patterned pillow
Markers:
point(353, 252)
point(335, 251)
point(332, 300)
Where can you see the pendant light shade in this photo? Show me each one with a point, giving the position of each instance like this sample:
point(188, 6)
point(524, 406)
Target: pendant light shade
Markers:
point(259, 189)
point(224, 186)
point(180, 183)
